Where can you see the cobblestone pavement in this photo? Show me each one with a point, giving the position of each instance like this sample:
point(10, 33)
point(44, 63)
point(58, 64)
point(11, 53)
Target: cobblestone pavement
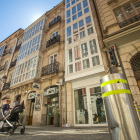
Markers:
point(57, 133)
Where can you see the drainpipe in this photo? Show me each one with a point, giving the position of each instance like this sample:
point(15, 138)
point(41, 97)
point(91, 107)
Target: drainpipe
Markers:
point(102, 35)
point(65, 104)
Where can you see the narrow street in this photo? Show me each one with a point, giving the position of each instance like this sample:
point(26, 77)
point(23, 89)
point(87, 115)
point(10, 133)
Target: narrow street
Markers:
point(57, 133)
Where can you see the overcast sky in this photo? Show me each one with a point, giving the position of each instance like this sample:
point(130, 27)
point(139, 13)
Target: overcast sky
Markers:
point(15, 14)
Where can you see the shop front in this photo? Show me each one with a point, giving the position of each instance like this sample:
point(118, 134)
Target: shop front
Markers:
point(88, 104)
point(52, 94)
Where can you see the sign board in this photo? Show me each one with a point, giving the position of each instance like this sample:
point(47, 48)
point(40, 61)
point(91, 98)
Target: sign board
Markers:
point(35, 85)
point(50, 91)
point(31, 95)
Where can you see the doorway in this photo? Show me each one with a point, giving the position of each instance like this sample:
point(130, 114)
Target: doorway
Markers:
point(31, 111)
point(89, 107)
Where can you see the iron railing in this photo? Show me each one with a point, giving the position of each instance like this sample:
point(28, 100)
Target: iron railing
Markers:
point(53, 40)
point(6, 86)
point(57, 19)
point(51, 68)
point(18, 47)
point(13, 63)
point(129, 21)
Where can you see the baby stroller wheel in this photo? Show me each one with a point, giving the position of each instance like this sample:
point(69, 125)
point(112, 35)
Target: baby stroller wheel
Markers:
point(10, 132)
point(22, 131)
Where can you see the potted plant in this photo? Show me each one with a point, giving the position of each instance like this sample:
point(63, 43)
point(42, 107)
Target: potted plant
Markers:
point(56, 118)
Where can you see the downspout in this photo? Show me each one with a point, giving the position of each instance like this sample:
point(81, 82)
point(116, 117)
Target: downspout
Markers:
point(102, 35)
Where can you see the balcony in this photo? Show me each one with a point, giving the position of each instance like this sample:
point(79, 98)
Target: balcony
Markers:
point(18, 47)
point(57, 19)
point(13, 63)
point(6, 86)
point(49, 69)
point(53, 41)
point(5, 53)
point(129, 21)
point(1, 68)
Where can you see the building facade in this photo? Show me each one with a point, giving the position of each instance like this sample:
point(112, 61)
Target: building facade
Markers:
point(85, 64)
point(120, 24)
point(8, 47)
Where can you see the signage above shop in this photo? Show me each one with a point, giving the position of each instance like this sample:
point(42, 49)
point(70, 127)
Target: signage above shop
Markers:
point(51, 91)
point(31, 95)
point(35, 85)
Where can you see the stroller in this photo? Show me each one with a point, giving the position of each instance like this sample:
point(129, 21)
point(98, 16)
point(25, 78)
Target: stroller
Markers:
point(10, 124)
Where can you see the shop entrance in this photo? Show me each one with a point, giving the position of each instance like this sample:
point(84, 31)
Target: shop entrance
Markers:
point(31, 111)
point(89, 107)
point(52, 108)
point(31, 97)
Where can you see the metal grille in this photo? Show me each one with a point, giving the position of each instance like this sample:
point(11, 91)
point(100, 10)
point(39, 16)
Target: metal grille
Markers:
point(135, 63)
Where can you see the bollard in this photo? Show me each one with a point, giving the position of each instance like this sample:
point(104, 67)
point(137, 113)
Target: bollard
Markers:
point(137, 107)
point(122, 119)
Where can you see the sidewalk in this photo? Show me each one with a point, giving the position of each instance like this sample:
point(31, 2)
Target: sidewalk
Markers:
point(59, 133)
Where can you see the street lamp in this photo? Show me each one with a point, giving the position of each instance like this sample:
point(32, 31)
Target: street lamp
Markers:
point(4, 78)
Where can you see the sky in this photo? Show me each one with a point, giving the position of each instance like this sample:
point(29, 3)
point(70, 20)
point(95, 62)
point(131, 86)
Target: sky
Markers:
point(15, 14)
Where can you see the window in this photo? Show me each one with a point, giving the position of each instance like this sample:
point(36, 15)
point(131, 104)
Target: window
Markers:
point(95, 61)
point(70, 69)
point(77, 53)
point(5, 65)
point(69, 40)
point(53, 58)
point(55, 34)
point(78, 66)
point(93, 47)
point(76, 37)
point(68, 5)
point(81, 24)
point(79, 7)
point(69, 56)
point(68, 13)
point(86, 64)
point(86, 10)
point(80, 14)
point(88, 21)
point(129, 11)
point(84, 50)
point(90, 30)
point(74, 17)
point(75, 28)
point(68, 20)
point(69, 31)
point(73, 1)
point(74, 10)
point(68, 1)
point(33, 73)
point(137, 5)
point(85, 3)
point(82, 34)
point(10, 49)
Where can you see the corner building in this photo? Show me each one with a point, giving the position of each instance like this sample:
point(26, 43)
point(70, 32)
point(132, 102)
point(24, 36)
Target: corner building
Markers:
point(85, 64)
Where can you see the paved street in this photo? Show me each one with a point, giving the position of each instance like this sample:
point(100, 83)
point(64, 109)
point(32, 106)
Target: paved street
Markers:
point(53, 133)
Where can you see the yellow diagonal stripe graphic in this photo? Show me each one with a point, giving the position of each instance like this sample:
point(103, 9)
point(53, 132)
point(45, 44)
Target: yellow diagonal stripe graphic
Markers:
point(114, 81)
point(120, 91)
point(137, 110)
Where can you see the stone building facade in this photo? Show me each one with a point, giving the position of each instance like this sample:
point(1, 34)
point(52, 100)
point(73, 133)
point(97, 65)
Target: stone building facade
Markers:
point(120, 25)
point(8, 47)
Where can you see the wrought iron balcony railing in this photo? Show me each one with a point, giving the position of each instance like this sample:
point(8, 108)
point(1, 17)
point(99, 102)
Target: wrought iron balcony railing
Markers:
point(53, 40)
point(6, 86)
point(51, 68)
point(57, 19)
point(5, 53)
point(18, 47)
point(129, 21)
point(13, 63)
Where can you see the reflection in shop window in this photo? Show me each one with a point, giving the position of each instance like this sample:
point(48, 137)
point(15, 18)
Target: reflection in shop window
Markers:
point(95, 60)
point(81, 108)
point(69, 40)
point(98, 111)
point(70, 69)
point(86, 64)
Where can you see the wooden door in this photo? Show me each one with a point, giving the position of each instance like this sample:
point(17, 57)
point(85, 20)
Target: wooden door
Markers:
point(31, 113)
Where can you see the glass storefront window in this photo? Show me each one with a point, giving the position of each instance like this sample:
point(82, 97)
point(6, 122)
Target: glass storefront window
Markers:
point(98, 111)
point(81, 108)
